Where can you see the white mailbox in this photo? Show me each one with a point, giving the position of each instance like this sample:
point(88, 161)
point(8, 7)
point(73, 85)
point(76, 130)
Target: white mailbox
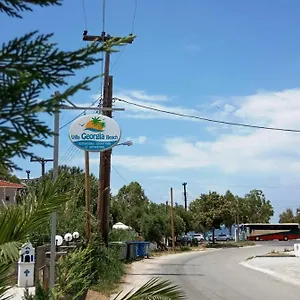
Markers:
point(26, 266)
point(297, 249)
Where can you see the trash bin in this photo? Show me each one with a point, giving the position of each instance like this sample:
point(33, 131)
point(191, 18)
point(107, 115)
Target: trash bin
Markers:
point(143, 249)
point(132, 252)
point(120, 247)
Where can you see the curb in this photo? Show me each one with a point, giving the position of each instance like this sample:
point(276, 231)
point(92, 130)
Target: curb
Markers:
point(281, 277)
point(278, 256)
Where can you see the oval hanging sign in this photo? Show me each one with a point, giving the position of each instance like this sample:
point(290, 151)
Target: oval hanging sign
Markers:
point(95, 133)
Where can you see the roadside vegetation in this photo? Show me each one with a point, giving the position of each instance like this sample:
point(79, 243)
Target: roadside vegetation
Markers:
point(29, 65)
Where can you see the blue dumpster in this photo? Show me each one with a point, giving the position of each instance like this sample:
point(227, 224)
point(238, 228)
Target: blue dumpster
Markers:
point(132, 252)
point(143, 249)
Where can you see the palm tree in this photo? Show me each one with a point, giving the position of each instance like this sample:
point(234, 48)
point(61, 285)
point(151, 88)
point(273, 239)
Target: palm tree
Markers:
point(155, 289)
point(17, 222)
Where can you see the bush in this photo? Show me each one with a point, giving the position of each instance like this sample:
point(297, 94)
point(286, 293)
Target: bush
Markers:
point(74, 274)
point(117, 235)
point(106, 266)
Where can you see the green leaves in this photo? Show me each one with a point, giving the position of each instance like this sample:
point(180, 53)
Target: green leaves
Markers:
point(28, 65)
point(156, 289)
point(17, 222)
point(74, 274)
point(13, 7)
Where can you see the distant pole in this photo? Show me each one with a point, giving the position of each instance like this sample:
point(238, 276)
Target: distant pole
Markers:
point(87, 196)
point(185, 196)
point(28, 174)
point(43, 162)
point(237, 220)
point(172, 220)
point(167, 204)
point(53, 215)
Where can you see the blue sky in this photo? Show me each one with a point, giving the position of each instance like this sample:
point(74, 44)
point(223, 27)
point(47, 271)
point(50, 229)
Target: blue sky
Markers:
point(229, 60)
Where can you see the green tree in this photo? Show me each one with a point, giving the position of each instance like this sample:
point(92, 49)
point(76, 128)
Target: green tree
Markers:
point(287, 216)
point(255, 208)
point(75, 177)
point(6, 175)
point(154, 227)
point(232, 204)
point(187, 217)
point(130, 205)
point(28, 65)
point(209, 210)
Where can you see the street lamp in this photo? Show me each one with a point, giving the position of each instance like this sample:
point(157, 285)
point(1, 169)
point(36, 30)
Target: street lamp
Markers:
point(126, 143)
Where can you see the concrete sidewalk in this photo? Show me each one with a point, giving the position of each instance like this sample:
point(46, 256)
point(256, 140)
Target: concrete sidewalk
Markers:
point(286, 269)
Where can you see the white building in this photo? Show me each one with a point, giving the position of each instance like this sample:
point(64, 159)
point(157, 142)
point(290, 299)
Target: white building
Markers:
point(8, 192)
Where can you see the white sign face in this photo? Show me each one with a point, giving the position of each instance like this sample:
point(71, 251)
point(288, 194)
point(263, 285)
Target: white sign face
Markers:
point(95, 133)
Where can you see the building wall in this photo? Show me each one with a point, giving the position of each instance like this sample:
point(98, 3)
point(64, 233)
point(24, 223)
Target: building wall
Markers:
point(8, 196)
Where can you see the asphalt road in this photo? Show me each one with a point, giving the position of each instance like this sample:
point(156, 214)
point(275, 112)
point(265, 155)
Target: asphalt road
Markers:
point(217, 275)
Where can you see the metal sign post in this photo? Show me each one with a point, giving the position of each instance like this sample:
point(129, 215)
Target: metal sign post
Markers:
point(55, 173)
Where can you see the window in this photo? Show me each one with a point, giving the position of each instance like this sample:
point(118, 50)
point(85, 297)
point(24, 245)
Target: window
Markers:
point(7, 198)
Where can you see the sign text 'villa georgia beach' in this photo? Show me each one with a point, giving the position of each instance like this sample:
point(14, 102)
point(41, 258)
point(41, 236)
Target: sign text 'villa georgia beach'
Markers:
point(95, 133)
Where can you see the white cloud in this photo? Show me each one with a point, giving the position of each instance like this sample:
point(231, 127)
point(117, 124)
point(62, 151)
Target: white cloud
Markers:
point(251, 150)
point(138, 140)
point(133, 111)
point(142, 95)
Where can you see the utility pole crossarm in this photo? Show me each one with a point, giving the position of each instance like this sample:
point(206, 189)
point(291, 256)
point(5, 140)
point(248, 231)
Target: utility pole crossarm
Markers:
point(105, 38)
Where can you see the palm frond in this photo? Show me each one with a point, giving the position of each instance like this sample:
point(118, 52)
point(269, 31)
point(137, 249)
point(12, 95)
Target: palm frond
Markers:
point(156, 289)
point(5, 280)
point(18, 221)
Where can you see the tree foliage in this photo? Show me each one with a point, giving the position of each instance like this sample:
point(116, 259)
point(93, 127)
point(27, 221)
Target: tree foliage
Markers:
point(254, 208)
point(18, 222)
point(288, 216)
point(29, 64)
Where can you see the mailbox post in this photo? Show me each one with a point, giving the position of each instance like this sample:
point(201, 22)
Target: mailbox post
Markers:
point(26, 266)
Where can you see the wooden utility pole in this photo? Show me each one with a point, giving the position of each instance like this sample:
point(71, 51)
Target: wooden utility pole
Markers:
point(43, 162)
point(105, 170)
point(87, 196)
point(103, 202)
point(185, 196)
point(103, 155)
point(172, 220)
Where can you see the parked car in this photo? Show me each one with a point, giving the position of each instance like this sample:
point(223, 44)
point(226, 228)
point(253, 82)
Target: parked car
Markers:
point(222, 237)
point(199, 237)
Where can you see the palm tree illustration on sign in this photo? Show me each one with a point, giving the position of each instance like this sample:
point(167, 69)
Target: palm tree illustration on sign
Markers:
point(96, 124)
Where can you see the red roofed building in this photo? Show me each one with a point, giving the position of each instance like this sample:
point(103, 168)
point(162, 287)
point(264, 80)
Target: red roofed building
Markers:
point(8, 192)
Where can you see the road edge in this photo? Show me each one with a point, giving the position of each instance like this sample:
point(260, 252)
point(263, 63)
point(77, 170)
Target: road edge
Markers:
point(276, 275)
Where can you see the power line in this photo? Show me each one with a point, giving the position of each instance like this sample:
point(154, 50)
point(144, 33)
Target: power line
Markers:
point(132, 30)
point(79, 114)
point(134, 15)
point(121, 176)
point(84, 14)
point(207, 119)
point(103, 15)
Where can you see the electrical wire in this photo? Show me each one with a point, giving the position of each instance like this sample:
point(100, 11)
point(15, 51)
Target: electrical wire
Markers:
point(134, 15)
point(103, 15)
point(99, 98)
point(84, 14)
point(121, 176)
point(207, 119)
point(132, 30)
